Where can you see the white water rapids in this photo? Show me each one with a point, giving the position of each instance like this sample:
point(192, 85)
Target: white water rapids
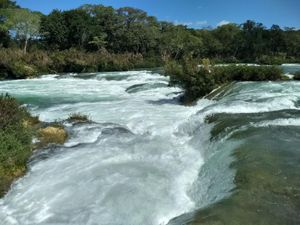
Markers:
point(141, 162)
point(130, 167)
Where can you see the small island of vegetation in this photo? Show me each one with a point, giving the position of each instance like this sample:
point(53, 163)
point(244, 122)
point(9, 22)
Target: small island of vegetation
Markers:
point(18, 129)
point(200, 80)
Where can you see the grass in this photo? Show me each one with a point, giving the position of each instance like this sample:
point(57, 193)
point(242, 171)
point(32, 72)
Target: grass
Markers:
point(51, 135)
point(78, 117)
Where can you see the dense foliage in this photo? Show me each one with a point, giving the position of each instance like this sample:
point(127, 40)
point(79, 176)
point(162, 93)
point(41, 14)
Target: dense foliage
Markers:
point(198, 81)
point(15, 140)
point(92, 29)
point(15, 65)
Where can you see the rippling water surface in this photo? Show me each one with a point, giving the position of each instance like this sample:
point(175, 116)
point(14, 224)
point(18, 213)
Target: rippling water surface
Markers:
point(147, 160)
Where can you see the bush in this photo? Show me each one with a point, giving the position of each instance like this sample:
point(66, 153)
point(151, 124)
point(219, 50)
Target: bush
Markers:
point(12, 118)
point(13, 152)
point(246, 73)
point(278, 59)
point(11, 114)
point(198, 81)
point(22, 70)
point(14, 64)
point(15, 141)
point(78, 117)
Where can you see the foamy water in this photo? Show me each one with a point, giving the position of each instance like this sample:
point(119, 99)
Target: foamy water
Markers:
point(144, 160)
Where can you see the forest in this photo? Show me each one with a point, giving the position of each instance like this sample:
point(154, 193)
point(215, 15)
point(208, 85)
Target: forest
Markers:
point(101, 38)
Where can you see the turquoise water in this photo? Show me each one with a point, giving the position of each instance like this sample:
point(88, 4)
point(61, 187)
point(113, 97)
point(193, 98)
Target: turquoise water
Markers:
point(146, 159)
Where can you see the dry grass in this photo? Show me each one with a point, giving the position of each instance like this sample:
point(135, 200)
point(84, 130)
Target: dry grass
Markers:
point(52, 135)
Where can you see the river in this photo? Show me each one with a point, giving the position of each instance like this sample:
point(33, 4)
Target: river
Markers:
point(147, 160)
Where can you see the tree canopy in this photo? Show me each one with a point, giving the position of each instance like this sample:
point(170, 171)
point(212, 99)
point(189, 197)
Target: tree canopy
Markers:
point(95, 27)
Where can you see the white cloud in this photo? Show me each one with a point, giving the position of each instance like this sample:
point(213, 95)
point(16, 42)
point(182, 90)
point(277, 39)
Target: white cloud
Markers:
point(191, 23)
point(223, 22)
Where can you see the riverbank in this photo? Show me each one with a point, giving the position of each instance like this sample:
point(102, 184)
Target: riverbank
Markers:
point(14, 64)
point(21, 134)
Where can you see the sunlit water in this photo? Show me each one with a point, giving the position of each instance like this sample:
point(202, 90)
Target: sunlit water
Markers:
point(145, 159)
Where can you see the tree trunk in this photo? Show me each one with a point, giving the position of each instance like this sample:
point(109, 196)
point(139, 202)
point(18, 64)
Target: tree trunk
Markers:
point(25, 46)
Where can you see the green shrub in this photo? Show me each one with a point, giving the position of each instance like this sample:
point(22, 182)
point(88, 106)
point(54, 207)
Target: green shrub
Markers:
point(11, 114)
point(278, 59)
point(15, 141)
point(198, 81)
point(13, 152)
point(78, 117)
point(22, 70)
point(246, 73)
point(12, 121)
point(14, 64)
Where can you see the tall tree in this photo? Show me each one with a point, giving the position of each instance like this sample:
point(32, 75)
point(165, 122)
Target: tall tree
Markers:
point(24, 23)
point(4, 33)
point(276, 41)
point(228, 35)
point(54, 30)
point(99, 41)
point(8, 4)
point(254, 43)
point(80, 27)
point(106, 22)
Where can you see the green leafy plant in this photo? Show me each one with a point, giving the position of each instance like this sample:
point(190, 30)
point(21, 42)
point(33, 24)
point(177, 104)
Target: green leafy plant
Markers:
point(199, 80)
point(15, 140)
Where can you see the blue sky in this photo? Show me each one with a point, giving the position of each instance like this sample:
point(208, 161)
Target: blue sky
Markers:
point(194, 13)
